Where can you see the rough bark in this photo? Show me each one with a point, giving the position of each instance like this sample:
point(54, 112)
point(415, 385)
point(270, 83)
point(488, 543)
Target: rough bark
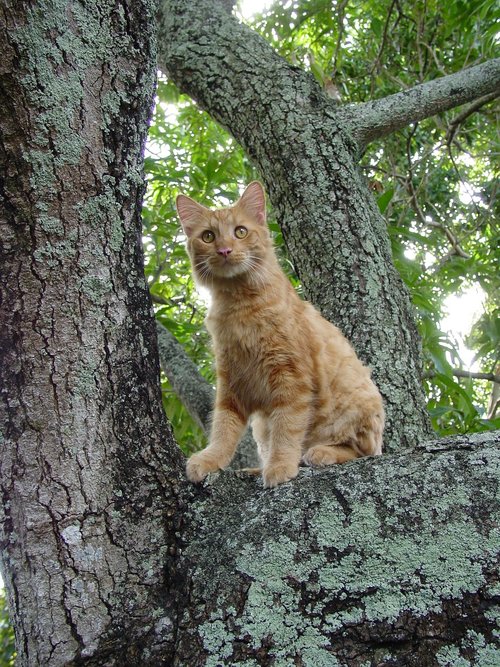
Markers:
point(383, 561)
point(308, 160)
point(88, 468)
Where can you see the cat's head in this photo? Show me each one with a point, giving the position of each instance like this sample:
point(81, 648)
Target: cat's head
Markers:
point(227, 243)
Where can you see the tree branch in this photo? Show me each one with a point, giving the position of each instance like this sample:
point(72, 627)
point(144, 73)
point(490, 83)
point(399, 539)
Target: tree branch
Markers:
point(427, 221)
point(471, 375)
point(372, 120)
point(195, 392)
point(472, 108)
point(393, 553)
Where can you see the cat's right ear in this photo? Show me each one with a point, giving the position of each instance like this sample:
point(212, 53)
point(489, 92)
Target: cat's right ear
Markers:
point(191, 214)
point(253, 200)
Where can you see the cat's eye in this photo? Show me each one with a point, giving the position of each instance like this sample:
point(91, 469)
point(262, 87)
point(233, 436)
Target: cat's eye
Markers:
point(240, 232)
point(208, 236)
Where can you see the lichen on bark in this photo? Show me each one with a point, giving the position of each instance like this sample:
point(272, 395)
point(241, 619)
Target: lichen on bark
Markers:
point(335, 568)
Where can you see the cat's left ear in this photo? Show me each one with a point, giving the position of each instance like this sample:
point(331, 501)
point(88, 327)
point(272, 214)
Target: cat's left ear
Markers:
point(253, 201)
point(190, 213)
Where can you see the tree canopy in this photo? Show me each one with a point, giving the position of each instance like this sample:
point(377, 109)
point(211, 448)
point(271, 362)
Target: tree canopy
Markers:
point(436, 182)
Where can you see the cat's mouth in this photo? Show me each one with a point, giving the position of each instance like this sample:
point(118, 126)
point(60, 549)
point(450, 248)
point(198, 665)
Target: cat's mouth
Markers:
point(228, 267)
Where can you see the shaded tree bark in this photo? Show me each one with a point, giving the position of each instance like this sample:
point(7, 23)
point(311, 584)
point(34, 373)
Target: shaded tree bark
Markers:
point(385, 561)
point(109, 556)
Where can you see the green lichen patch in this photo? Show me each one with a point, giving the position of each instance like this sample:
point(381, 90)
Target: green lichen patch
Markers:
point(103, 212)
point(42, 176)
point(86, 378)
point(51, 225)
point(471, 651)
point(95, 288)
point(54, 255)
point(63, 50)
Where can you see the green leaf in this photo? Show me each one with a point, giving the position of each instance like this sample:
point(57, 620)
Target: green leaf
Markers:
point(384, 199)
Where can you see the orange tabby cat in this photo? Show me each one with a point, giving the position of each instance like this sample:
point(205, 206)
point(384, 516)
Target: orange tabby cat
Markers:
point(279, 363)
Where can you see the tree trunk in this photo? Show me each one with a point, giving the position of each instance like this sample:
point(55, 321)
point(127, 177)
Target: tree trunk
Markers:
point(89, 469)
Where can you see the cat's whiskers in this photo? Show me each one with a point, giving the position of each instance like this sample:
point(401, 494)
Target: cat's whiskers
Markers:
point(258, 270)
point(259, 274)
point(204, 271)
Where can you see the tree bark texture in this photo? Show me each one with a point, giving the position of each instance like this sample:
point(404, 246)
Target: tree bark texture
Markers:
point(388, 561)
point(378, 118)
point(333, 230)
point(88, 482)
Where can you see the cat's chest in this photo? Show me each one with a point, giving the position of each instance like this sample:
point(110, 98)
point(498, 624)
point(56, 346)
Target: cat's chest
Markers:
point(236, 335)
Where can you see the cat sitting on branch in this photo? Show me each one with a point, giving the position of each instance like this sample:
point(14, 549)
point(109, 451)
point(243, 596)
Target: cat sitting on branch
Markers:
point(280, 365)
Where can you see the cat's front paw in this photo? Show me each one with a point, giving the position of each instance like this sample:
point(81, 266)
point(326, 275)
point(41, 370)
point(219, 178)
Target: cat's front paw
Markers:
point(199, 465)
point(272, 475)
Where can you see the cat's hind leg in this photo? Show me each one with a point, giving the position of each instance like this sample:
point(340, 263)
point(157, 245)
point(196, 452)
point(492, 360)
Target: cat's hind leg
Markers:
point(352, 436)
point(325, 455)
point(367, 441)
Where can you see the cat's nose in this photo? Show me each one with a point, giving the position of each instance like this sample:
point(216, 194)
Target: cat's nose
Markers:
point(224, 251)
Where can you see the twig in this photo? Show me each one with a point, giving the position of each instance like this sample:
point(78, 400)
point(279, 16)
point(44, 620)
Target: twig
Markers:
point(376, 64)
point(472, 375)
point(340, 20)
point(426, 220)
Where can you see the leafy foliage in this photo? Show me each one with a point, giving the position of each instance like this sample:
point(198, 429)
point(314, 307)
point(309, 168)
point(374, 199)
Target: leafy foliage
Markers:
point(7, 648)
point(436, 182)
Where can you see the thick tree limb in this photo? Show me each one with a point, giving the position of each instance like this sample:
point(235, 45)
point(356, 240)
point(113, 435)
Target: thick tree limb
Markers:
point(385, 561)
point(375, 119)
point(197, 395)
point(194, 391)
